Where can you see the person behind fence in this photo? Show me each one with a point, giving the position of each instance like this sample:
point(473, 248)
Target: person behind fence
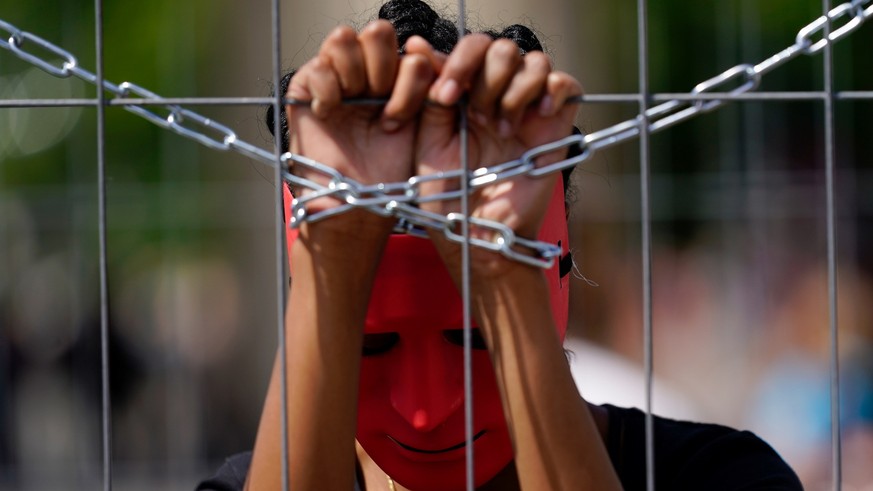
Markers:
point(375, 378)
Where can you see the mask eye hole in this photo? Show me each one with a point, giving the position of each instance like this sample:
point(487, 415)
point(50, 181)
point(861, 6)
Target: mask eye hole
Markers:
point(456, 337)
point(378, 343)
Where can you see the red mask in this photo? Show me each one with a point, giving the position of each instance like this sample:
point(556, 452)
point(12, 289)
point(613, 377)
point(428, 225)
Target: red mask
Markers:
point(411, 393)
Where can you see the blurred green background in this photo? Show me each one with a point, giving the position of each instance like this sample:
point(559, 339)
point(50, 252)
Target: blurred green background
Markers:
point(738, 210)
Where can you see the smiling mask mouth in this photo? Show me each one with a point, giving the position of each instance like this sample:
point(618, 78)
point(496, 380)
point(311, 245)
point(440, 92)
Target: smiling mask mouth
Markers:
point(443, 450)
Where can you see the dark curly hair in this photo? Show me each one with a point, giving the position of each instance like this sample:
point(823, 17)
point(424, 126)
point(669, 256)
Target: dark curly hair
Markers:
point(417, 18)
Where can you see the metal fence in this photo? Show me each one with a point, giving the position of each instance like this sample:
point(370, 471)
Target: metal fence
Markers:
point(655, 111)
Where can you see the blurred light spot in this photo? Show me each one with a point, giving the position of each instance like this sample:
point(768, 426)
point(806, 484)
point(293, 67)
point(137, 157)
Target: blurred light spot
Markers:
point(53, 429)
point(30, 130)
point(17, 240)
point(188, 308)
point(44, 324)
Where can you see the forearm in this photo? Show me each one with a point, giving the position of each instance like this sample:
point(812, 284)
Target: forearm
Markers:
point(333, 273)
point(557, 443)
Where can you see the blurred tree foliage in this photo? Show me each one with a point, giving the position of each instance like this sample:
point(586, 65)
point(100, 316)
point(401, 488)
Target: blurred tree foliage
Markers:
point(692, 42)
point(160, 45)
point(164, 45)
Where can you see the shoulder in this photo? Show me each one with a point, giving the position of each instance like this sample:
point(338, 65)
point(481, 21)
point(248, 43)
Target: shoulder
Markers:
point(231, 476)
point(694, 455)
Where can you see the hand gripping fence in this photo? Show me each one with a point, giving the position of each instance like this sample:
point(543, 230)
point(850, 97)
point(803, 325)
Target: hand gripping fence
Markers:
point(401, 199)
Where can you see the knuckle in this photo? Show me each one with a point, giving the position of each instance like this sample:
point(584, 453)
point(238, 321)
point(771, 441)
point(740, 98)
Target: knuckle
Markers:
point(538, 61)
point(510, 105)
point(558, 81)
point(505, 49)
point(474, 40)
point(317, 64)
point(565, 81)
point(418, 65)
point(342, 35)
point(379, 30)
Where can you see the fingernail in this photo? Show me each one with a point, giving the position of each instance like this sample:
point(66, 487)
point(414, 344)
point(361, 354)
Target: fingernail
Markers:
point(546, 106)
point(449, 92)
point(504, 128)
point(390, 125)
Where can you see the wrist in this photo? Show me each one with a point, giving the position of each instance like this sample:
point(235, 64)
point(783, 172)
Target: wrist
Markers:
point(350, 242)
point(486, 266)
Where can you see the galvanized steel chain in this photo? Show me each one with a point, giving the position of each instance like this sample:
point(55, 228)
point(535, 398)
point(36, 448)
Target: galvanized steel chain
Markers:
point(401, 199)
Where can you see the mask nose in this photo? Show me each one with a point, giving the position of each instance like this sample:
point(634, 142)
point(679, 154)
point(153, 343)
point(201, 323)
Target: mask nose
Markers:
point(425, 388)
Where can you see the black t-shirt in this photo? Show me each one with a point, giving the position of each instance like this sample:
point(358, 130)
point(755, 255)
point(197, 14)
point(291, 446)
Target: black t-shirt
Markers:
point(693, 456)
point(688, 456)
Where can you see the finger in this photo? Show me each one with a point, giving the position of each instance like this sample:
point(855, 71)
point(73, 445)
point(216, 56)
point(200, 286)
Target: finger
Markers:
point(419, 46)
point(297, 87)
point(324, 86)
point(501, 63)
point(526, 87)
point(460, 69)
point(560, 87)
point(410, 90)
point(379, 45)
point(342, 50)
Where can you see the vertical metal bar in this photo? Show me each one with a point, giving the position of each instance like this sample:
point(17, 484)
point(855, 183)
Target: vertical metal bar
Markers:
point(106, 409)
point(465, 273)
point(828, 70)
point(281, 263)
point(645, 220)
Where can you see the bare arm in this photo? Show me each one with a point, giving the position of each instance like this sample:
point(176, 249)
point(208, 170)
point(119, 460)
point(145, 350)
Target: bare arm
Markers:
point(557, 444)
point(334, 261)
point(516, 103)
point(323, 332)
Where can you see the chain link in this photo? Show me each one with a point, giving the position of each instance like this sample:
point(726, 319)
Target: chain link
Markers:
point(125, 89)
point(401, 199)
point(415, 221)
point(18, 40)
point(853, 9)
point(14, 33)
point(177, 122)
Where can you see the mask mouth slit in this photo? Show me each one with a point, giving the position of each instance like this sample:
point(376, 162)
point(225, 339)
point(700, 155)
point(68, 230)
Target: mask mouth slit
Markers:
point(443, 450)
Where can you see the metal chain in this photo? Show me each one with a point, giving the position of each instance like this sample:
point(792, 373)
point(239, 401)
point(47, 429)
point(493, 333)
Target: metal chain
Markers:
point(401, 199)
